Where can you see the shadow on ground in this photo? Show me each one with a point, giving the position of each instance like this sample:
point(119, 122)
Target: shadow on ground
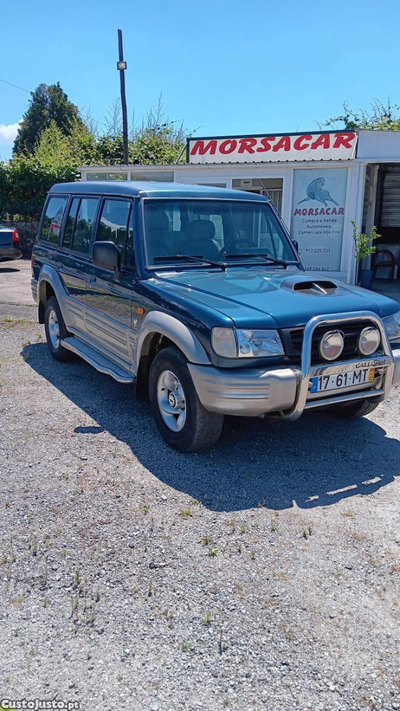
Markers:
point(8, 270)
point(313, 462)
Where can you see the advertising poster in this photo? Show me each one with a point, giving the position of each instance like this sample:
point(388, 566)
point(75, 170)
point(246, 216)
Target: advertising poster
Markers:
point(318, 208)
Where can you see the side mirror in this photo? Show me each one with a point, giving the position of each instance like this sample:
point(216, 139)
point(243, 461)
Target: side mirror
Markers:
point(106, 256)
point(295, 244)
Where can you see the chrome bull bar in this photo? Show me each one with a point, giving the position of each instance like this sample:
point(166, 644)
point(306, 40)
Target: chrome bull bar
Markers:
point(306, 371)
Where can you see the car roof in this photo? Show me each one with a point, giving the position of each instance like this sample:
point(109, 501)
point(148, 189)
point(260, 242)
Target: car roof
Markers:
point(152, 189)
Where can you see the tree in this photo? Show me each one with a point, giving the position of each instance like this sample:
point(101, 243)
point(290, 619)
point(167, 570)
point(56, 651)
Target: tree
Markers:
point(48, 103)
point(383, 117)
point(26, 180)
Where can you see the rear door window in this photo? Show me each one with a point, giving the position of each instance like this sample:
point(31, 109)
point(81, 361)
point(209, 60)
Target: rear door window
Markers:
point(52, 220)
point(85, 219)
point(70, 223)
point(113, 224)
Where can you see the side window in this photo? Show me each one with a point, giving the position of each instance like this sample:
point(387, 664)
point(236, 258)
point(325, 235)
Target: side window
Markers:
point(84, 225)
point(70, 223)
point(53, 219)
point(113, 225)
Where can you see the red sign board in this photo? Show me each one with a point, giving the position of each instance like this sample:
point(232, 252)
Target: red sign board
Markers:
point(328, 145)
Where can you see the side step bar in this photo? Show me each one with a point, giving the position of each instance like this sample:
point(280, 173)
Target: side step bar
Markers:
point(99, 361)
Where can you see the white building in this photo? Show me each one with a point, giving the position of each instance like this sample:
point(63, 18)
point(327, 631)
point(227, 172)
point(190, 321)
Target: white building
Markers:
point(318, 182)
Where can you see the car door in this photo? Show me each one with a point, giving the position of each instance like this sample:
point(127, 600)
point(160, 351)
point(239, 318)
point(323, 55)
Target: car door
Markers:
point(74, 258)
point(108, 302)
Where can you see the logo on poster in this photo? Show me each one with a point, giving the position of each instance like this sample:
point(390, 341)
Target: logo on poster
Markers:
point(316, 191)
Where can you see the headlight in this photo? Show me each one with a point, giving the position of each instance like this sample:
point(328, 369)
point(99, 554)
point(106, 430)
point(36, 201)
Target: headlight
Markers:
point(392, 326)
point(246, 343)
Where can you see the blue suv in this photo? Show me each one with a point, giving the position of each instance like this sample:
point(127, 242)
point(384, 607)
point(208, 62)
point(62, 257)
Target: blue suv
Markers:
point(197, 296)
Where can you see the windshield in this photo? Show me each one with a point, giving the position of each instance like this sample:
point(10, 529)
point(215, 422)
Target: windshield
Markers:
point(219, 230)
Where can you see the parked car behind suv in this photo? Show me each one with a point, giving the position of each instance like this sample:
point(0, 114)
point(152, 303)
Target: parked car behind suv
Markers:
point(10, 247)
point(197, 296)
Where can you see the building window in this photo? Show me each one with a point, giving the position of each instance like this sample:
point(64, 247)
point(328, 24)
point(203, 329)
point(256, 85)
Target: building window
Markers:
point(106, 176)
point(270, 187)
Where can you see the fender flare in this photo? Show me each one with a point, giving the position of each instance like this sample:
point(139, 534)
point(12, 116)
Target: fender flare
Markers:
point(170, 327)
point(49, 274)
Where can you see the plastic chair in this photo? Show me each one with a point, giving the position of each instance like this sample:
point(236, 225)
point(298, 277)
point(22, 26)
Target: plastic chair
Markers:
point(385, 258)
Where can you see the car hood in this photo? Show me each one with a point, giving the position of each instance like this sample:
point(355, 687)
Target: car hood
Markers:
point(254, 297)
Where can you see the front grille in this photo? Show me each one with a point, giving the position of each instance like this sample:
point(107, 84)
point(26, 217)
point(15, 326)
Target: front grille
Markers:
point(293, 340)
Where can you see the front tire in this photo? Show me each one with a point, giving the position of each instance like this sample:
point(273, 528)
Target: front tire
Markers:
point(181, 419)
point(360, 408)
point(55, 331)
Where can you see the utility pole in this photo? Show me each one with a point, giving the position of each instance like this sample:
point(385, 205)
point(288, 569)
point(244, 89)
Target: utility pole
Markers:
point(122, 66)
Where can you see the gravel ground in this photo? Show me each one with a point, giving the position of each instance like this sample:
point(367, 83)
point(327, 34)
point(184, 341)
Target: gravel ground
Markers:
point(261, 574)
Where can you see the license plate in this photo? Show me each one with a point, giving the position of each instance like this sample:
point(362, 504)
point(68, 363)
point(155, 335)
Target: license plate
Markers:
point(341, 380)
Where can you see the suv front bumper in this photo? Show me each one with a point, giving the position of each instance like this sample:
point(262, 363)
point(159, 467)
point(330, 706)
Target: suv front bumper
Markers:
point(254, 391)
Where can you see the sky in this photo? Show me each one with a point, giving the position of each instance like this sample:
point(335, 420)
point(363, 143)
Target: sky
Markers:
point(223, 66)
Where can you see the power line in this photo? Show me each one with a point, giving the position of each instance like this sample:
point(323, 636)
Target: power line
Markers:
point(15, 85)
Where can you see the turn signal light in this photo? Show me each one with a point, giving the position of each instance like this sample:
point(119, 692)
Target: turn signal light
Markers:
point(15, 236)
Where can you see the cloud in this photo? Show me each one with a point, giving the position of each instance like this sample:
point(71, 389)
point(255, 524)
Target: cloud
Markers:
point(8, 132)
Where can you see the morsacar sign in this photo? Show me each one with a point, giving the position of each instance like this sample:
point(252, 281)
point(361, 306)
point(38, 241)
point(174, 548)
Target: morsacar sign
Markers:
point(338, 145)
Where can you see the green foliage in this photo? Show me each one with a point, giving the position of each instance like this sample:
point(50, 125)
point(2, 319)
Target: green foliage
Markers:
point(383, 117)
point(48, 103)
point(149, 146)
point(364, 244)
point(53, 141)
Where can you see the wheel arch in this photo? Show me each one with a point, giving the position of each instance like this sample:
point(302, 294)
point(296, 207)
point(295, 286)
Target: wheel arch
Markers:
point(49, 284)
point(158, 331)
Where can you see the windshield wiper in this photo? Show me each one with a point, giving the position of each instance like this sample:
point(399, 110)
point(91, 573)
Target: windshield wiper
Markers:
point(247, 255)
point(189, 257)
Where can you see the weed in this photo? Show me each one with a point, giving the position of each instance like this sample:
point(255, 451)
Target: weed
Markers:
point(16, 632)
point(274, 525)
point(46, 602)
point(307, 532)
point(187, 646)
point(252, 555)
point(289, 634)
point(18, 600)
point(349, 514)
point(206, 540)
point(212, 552)
point(358, 536)
point(195, 502)
point(146, 508)
point(243, 528)
point(185, 513)
point(77, 579)
point(207, 618)
point(169, 615)
point(373, 561)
